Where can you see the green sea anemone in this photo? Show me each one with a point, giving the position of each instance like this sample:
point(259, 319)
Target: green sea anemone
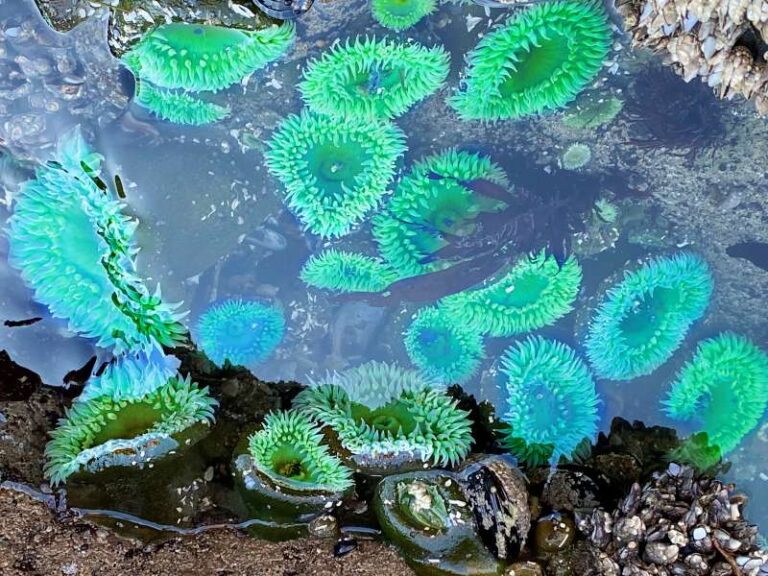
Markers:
point(289, 450)
point(239, 332)
point(551, 401)
point(443, 347)
point(372, 78)
point(334, 172)
point(535, 293)
point(102, 433)
point(576, 156)
point(725, 387)
point(75, 249)
point(643, 319)
point(539, 59)
point(347, 272)
point(431, 202)
point(606, 211)
point(178, 107)
point(401, 14)
point(198, 57)
point(592, 111)
point(386, 416)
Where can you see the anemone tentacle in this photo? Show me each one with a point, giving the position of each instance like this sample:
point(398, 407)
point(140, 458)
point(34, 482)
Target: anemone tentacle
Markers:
point(643, 319)
point(178, 107)
point(401, 14)
point(347, 272)
point(539, 59)
point(552, 405)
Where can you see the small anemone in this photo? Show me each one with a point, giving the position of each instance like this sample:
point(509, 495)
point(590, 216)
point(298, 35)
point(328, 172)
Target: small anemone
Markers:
point(239, 332)
point(430, 203)
point(102, 433)
point(643, 319)
point(373, 78)
point(551, 401)
point(535, 293)
point(382, 413)
point(178, 108)
point(289, 449)
point(199, 57)
point(576, 156)
point(443, 347)
point(334, 172)
point(540, 59)
point(75, 249)
point(725, 387)
point(401, 14)
point(592, 111)
point(347, 272)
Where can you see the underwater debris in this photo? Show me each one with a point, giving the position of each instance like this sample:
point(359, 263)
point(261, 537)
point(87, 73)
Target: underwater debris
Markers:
point(334, 173)
point(538, 60)
point(643, 319)
point(388, 417)
point(725, 387)
point(179, 108)
point(373, 78)
point(576, 156)
point(239, 332)
point(551, 401)
point(401, 14)
point(347, 272)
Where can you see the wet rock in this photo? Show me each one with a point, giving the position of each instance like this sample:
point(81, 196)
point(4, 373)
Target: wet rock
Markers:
point(524, 569)
point(324, 526)
point(553, 533)
point(569, 490)
point(344, 546)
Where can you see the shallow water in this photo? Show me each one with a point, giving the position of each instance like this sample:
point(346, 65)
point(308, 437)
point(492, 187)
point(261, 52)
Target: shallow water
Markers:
point(213, 224)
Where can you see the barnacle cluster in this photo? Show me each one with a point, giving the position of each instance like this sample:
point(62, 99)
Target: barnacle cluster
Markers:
point(538, 60)
point(347, 272)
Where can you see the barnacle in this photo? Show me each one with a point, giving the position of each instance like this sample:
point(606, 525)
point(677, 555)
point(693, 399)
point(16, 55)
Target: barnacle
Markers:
point(198, 57)
point(289, 449)
point(347, 272)
point(643, 319)
point(75, 249)
point(551, 400)
point(725, 387)
point(240, 332)
point(540, 59)
point(401, 14)
point(373, 78)
point(443, 347)
point(536, 292)
point(576, 156)
point(432, 202)
point(102, 432)
point(178, 107)
point(385, 416)
point(334, 172)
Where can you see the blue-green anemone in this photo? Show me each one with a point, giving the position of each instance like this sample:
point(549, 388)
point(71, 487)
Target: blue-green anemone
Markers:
point(198, 57)
point(373, 78)
point(443, 346)
point(551, 400)
point(430, 203)
point(535, 293)
point(347, 272)
point(383, 413)
point(334, 172)
point(178, 107)
point(539, 59)
point(289, 449)
point(75, 249)
point(401, 14)
point(102, 433)
point(239, 332)
point(643, 319)
point(725, 387)
point(576, 156)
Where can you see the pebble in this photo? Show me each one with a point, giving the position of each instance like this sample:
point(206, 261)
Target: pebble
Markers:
point(344, 546)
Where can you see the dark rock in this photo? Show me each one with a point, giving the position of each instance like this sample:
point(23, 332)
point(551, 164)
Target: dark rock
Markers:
point(569, 489)
point(553, 533)
point(344, 546)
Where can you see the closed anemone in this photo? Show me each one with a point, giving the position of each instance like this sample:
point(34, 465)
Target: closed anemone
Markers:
point(178, 107)
point(539, 59)
point(347, 272)
point(724, 388)
point(75, 249)
point(334, 173)
point(535, 293)
point(102, 432)
point(240, 332)
point(576, 156)
point(289, 449)
point(372, 78)
point(198, 57)
point(552, 405)
point(401, 14)
point(643, 319)
point(432, 203)
point(443, 347)
point(386, 417)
